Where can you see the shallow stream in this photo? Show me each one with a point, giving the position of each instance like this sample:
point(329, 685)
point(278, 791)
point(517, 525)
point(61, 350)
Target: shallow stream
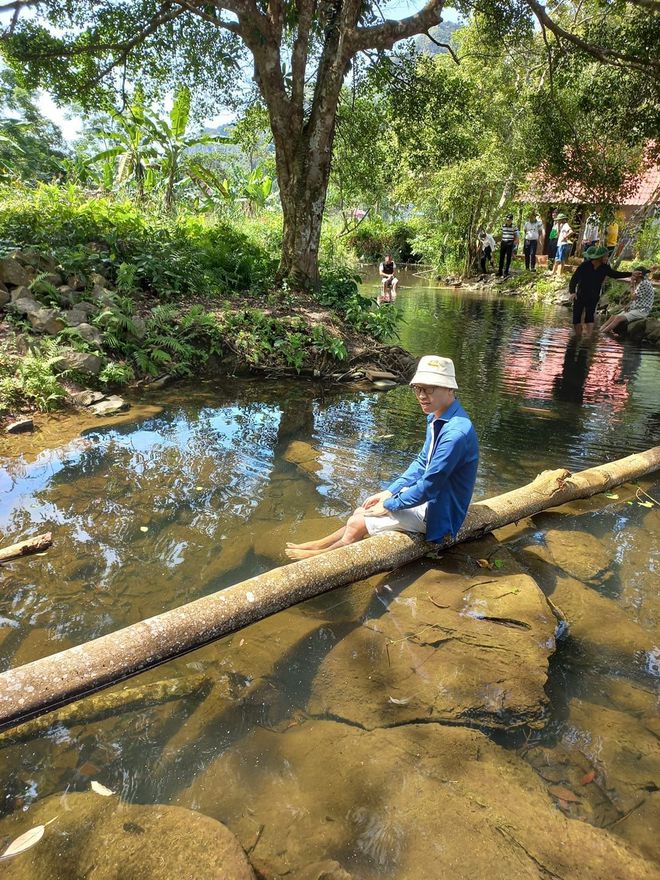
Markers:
point(200, 486)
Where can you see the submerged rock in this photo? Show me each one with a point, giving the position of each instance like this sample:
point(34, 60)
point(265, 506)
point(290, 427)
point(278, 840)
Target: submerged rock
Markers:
point(101, 838)
point(622, 749)
point(456, 643)
point(303, 455)
point(600, 628)
point(417, 801)
point(577, 553)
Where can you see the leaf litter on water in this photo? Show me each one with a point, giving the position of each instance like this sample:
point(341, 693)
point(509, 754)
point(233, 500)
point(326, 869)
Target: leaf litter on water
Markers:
point(100, 789)
point(25, 841)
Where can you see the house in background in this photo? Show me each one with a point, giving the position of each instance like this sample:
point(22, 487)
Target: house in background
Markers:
point(631, 211)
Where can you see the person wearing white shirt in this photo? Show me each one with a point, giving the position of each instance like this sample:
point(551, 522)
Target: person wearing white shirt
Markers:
point(533, 231)
point(486, 246)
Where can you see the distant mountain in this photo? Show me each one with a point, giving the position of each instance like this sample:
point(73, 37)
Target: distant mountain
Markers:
point(442, 33)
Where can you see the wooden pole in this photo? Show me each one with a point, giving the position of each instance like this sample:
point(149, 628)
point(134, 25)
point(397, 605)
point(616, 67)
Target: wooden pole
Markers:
point(31, 545)
point(53, 681)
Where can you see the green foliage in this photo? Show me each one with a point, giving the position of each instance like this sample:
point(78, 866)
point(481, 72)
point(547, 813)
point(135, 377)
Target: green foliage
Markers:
point(340, 293)
point(31, 146)
point(375, 237)
point(117, 373)
point(647, 245)
point(138, 249)
point(29, 380)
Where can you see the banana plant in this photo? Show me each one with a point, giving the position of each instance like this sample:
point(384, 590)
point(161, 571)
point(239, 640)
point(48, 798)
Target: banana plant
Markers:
point(134, 147)
point(177, 153)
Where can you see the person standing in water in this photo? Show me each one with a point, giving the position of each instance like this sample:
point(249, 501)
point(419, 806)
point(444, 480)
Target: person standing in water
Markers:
point(431, 497)
point(388, 280)
point(585, 286)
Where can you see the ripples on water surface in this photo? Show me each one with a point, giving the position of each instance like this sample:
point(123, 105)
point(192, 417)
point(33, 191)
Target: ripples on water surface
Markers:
point(169, 505)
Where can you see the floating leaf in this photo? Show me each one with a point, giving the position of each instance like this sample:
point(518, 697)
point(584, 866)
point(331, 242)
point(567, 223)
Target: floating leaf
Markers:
point(563, 794)
point(100, 789)
point(144, 528)
point(645, 504)
point(588, 777)
point(483, 563)
point(630, 503)
point(25, 841)
point(611, 495)
point(199, 488)
point(498, 563)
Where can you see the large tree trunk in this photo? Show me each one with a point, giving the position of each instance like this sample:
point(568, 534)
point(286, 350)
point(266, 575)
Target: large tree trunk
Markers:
point(303, 203)
point(45, 684)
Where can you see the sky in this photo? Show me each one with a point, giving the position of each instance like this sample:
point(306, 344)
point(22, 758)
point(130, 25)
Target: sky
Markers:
point(71, 125)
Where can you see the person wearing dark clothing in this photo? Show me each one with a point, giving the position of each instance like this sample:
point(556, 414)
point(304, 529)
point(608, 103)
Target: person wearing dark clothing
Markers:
point(585, 286)
point(508, 242)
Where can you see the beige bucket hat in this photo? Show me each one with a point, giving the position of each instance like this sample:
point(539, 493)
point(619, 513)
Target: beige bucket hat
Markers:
point(435, 370)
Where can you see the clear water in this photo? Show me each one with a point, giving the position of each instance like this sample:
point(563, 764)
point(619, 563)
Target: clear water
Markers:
point(202, 489)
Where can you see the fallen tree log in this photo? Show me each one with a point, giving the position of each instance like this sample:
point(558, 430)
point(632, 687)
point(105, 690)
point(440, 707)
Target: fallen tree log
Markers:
point(53, 681)
point(23, 548)
point(101, 706)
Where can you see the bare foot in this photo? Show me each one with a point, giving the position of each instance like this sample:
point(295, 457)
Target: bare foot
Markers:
point(302, 554)
point(309, 545)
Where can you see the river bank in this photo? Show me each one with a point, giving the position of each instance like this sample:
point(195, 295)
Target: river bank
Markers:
point(542, 287)
point(73, 339)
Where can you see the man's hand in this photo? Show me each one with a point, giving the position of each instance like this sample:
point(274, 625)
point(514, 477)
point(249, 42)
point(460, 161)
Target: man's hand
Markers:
point(377, 510)
point(378, 498)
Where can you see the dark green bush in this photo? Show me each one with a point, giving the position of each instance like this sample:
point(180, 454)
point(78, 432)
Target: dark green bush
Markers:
point(170, 257)
point(374, 238)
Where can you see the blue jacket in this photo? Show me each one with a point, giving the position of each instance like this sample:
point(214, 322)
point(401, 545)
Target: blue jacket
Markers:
point(447, 482)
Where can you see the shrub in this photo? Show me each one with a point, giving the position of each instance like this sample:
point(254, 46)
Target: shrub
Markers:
point(375, 237)
point(136, 249)
point(29, 380)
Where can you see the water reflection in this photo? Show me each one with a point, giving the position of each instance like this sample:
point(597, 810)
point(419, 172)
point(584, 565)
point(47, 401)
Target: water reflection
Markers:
point(157, 511)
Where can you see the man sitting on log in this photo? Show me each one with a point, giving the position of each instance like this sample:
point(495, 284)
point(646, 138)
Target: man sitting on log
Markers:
point(432, 496)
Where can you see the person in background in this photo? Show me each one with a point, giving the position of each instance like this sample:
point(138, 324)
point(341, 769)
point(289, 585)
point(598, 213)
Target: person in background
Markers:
point(508, 243)
point(486, 248)
point(563, 244)
point(612, 236)
point(591, 234)
point(552, 238)
point(533, 232)
point(639, 304)
point(432, 496)
point(388, 280)
point(585, 286)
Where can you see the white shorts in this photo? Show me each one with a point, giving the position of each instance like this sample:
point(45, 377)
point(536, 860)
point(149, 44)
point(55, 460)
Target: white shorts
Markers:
point(634, 315)
point(413, 519)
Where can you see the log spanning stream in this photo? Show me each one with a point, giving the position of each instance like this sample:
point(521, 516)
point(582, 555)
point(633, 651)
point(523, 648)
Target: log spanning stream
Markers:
point(458, 716)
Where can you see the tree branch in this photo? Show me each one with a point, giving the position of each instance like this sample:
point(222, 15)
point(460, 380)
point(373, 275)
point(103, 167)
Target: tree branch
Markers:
point(444, 46)
point(201, 12)
point(603, 54)
point(123, 47)
point(383, 36)
point(306, 9)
